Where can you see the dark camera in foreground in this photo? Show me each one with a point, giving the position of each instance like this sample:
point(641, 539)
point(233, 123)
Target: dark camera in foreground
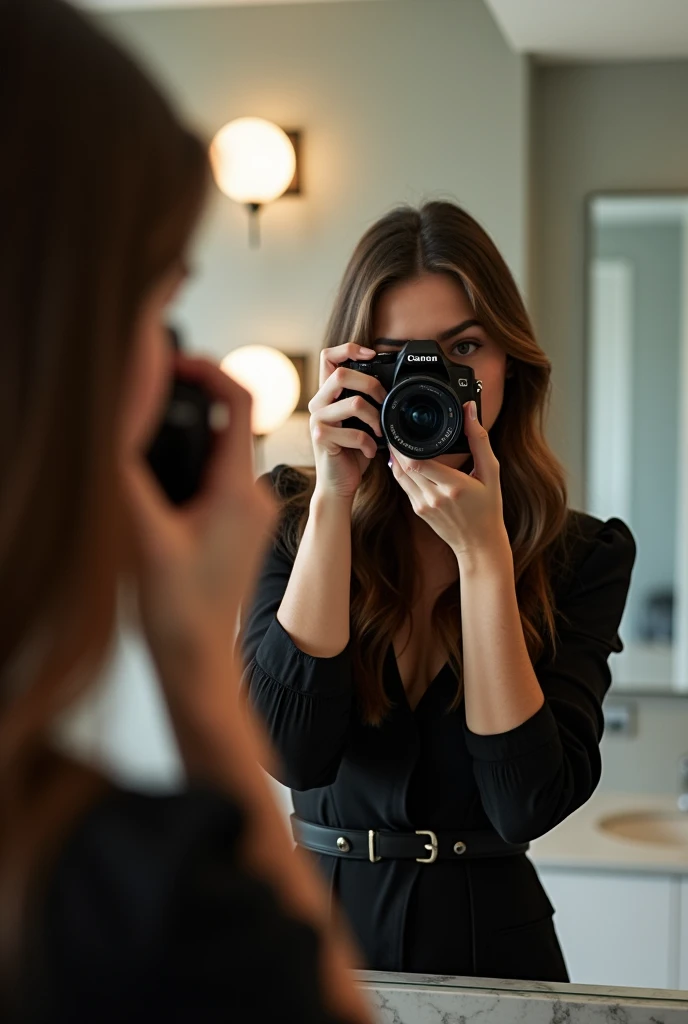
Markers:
point(182, 446)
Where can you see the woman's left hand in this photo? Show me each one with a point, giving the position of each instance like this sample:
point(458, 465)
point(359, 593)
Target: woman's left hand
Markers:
point(465, 510)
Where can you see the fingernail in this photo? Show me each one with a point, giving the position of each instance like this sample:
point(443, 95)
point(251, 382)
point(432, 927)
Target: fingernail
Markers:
point(473, 411)
point(368, 351)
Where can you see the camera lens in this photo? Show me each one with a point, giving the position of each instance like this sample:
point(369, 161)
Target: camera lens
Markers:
point(420, 417)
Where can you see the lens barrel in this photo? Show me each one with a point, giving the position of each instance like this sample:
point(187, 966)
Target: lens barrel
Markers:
point(421, 417)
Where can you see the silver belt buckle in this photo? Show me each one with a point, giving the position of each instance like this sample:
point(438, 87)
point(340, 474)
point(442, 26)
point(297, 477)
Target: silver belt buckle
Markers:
point(431, 846)
point(372, 856)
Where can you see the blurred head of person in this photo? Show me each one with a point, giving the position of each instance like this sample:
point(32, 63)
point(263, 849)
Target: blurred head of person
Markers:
point(101, 187)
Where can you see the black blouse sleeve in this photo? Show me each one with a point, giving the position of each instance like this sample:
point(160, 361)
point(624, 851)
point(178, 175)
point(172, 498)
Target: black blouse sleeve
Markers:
point(305, 702)
point(149, 916)
point(534, 776)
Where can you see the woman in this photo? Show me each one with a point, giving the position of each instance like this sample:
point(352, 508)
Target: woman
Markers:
point(429, 641)
point(117, 905)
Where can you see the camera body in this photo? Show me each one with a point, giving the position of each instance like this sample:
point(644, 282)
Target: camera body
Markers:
point(422, 415)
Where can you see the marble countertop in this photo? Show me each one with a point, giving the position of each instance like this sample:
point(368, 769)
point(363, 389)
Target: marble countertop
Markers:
point(435, 999)
point(524, 988)
point(579, 842)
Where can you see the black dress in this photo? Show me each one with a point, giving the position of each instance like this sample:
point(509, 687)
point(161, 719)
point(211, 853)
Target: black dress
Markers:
point(424, 769)
point(148, 916)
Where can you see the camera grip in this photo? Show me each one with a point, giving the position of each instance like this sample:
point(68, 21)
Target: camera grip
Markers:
point(354, 423)
point(182, 447)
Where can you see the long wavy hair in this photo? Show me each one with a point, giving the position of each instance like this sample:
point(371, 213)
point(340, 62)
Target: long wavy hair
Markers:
point(441, 238)
point(100, 189)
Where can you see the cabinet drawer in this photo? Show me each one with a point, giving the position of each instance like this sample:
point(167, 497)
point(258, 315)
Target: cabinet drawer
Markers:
point(617, 929)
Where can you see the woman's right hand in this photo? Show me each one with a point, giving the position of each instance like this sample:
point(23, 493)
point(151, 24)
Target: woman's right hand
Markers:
point(342, 454)
point(197, 564)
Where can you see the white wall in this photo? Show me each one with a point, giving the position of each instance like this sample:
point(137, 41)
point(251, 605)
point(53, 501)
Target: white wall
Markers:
point(397, 101)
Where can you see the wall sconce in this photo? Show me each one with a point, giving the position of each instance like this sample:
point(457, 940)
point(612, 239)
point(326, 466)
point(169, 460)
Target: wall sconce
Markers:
point(273, 382)
point(254, 162)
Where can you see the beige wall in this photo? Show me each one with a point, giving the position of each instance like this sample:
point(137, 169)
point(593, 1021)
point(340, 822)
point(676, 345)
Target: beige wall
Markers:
point(594, 128)
point(398, 102)
point(647, 762)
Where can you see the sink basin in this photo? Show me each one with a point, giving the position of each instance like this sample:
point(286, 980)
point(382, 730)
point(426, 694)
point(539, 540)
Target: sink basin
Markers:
point(666, 828)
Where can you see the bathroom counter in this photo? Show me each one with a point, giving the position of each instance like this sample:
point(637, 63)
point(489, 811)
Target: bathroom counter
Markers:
point(579, 842)
point(430, 999)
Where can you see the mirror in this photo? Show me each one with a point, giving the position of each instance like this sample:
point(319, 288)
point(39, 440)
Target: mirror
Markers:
point(637, 426)
point(380, 136)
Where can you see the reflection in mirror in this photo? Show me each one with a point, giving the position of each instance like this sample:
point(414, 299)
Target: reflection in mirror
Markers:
point(637, 442)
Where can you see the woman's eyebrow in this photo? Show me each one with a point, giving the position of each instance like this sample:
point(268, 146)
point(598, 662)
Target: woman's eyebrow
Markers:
point(446, 335)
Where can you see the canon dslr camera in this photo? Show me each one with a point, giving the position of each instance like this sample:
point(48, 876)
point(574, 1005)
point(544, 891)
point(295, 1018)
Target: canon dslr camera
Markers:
point(422, 415)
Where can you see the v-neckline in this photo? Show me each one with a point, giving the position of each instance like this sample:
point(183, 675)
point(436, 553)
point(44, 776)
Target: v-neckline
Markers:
point(400, 681)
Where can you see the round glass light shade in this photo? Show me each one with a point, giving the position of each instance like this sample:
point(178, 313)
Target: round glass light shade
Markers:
point(253, 160)
point(272, 380)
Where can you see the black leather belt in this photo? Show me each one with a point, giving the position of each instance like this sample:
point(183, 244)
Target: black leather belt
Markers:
point(423, 845)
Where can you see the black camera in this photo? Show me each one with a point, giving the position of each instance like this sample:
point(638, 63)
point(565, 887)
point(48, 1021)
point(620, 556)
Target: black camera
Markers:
point(182, 446)
point(422, 415)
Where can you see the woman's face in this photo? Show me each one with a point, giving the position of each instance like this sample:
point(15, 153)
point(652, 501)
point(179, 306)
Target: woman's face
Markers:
point(150, 366)
point(436, 307)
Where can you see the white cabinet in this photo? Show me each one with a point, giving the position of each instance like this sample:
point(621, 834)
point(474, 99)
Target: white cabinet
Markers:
point(621, 928)
point(683, 941)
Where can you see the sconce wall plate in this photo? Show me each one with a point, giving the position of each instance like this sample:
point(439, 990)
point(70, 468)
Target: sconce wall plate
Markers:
point(296, 185)
point(302, 364)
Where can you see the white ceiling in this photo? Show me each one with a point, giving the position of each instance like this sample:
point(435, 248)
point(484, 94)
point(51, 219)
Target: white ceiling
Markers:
point(595, 29)
point(550, 29)
point(133, 5)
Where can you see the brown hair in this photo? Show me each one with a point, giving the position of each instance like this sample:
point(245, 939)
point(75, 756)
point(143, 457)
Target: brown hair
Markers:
point(100, 188)
point(441, 238)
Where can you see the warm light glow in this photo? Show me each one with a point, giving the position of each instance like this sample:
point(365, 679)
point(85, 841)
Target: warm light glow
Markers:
point(272, 379)
point(253, 160)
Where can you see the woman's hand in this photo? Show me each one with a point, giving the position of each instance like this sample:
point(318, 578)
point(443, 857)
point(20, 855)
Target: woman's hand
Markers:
point(197, 564)
point(464, 510)
point(342, 454)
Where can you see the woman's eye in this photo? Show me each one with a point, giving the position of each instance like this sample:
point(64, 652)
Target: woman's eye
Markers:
point(465, 348)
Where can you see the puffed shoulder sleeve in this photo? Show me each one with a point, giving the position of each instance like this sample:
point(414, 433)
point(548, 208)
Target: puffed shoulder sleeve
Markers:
point(534, 776)
point(305, 702)
point(151, 915)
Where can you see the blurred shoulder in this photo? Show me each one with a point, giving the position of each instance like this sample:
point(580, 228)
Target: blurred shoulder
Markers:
point(151, 905)
point(141, 840)
point(287, 482)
